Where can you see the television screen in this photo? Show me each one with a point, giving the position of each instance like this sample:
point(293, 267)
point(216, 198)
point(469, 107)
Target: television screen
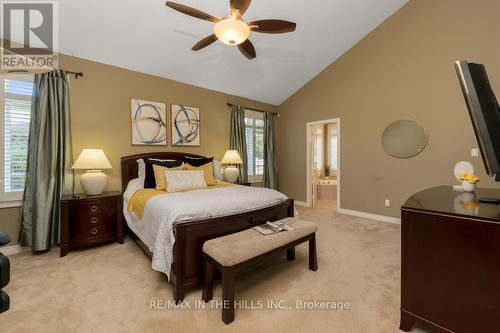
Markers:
point(484, 112)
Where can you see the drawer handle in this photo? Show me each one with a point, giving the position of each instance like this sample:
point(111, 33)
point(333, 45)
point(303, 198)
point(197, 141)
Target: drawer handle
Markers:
point(93, 220)
point(94, 231)
point(93, 209)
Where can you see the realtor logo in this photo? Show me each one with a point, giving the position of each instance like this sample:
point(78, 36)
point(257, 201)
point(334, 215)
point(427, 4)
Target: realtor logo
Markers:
point(29, 34)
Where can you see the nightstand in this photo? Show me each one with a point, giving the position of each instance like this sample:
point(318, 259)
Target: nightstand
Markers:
point(244, 184)
point(90, 220)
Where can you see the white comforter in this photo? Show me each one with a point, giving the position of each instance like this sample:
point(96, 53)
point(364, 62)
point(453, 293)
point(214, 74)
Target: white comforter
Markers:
point(162, 211)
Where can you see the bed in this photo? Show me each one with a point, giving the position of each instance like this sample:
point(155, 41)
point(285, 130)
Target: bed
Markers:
point(188, 236)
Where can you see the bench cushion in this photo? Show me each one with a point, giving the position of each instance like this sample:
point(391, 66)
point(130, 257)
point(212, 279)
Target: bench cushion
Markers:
point(236, 248)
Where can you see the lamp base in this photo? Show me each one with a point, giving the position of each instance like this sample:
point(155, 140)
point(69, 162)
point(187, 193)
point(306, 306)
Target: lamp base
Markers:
point(93, 182)
point(231, 173)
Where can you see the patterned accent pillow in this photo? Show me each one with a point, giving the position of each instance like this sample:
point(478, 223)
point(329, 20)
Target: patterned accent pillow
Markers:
point(186, 180)
point(159, 172)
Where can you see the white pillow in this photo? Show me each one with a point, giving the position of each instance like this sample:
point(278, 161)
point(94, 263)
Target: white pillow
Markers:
point(217, 170)
point(141, 174)
point(184, 180)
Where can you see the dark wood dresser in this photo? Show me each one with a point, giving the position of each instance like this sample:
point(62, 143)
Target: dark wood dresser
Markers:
point(90, 220)
point(450, 261)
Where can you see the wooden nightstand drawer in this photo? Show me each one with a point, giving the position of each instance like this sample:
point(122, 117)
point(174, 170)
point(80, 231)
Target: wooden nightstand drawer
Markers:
point(93, 213)
point(81, 233)
point(92, 220)
point(95, 207)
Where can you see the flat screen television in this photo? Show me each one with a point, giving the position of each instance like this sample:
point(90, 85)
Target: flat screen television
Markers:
point(484, 112)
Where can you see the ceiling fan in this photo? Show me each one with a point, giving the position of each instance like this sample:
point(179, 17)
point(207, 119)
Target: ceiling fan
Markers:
point(232, 30)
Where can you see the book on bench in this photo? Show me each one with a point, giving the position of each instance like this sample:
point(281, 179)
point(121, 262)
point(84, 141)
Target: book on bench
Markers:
point(272, 228)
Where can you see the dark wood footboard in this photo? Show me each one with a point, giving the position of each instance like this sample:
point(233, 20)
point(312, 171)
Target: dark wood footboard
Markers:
point(187, 268)
point(187, 271)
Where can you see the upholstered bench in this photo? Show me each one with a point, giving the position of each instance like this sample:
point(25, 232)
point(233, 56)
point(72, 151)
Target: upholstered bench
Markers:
point(235, 252)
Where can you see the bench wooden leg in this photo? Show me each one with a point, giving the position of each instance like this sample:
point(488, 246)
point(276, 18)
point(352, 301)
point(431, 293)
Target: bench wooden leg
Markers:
point(313, 257)
point(290, 254)
point(227, 295)
point(208, 280)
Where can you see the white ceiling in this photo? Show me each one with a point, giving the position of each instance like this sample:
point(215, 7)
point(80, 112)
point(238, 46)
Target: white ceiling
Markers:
point(146, 36)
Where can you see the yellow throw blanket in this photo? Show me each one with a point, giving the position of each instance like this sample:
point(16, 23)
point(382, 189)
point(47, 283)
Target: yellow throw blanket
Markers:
point(139, 199)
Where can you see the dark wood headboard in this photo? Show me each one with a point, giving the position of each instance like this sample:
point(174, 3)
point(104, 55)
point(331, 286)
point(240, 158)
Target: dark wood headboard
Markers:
point(129, 163)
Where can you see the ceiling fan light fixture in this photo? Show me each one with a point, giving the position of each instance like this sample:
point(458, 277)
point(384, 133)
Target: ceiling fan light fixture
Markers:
point(231, 31)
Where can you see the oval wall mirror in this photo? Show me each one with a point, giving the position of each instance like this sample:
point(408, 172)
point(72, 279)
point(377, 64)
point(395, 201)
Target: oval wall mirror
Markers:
point(404, 138)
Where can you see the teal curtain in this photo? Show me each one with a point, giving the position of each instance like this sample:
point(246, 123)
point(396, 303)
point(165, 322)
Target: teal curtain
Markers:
point(238, 139)
point(48, 169)
point(270, 177)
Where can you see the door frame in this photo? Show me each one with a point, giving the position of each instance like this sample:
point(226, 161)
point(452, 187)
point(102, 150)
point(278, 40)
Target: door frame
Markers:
point(309, 177)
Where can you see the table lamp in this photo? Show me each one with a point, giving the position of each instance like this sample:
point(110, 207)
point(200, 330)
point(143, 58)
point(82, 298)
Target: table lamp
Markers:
point(93, 161)
point(231, 172)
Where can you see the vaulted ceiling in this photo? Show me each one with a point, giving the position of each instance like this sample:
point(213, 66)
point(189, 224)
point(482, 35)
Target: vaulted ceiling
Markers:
point(146, 36)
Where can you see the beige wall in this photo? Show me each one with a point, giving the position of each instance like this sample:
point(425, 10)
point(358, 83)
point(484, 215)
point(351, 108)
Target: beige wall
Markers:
point(403, 69)
point(100, 117)
point(9, 223)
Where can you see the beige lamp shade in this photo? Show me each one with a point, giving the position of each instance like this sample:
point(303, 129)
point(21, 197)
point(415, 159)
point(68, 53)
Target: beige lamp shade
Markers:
point(92, 159)
point(231, 157)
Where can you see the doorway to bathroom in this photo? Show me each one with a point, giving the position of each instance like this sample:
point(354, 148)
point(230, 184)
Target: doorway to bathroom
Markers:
point(323, 164)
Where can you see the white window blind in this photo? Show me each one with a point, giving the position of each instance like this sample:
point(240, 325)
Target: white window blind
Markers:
point(15, 110)
point(254, 125)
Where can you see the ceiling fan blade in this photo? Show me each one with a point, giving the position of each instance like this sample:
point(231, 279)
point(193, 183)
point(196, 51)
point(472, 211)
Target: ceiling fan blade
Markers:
point(272, 26)
point(240, 5)
point(247, 49)
point(204, 42)
point(191, 11)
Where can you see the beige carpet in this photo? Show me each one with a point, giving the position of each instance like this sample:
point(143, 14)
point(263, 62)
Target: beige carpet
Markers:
point(110, 288)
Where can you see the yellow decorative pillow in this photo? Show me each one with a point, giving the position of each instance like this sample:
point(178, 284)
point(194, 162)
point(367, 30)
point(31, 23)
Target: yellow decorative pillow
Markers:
point(159, 171)
point(208, 169)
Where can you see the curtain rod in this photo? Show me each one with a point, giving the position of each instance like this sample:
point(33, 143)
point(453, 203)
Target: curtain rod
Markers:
point(263, 111)
point(76, 74)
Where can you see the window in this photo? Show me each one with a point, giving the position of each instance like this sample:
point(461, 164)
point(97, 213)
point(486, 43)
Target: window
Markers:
point(15, 110)
point(333, 149)
point(334, 153)
point(318, 150)
point(254, 126)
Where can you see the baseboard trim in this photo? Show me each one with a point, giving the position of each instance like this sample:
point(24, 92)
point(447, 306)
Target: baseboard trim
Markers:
point(301, 203)
point(380, 218)
point(13, 249)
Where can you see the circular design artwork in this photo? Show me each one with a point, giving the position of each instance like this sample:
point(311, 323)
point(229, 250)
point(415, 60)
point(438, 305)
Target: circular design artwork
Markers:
point(149, 125)
point(186, 126)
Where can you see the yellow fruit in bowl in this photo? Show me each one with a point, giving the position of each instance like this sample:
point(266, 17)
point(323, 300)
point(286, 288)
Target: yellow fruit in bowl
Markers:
point(470, 178)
